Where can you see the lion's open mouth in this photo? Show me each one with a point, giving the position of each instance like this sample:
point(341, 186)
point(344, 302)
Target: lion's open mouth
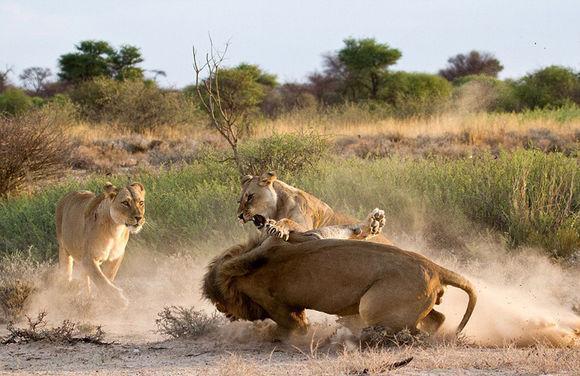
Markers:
point(259, 221)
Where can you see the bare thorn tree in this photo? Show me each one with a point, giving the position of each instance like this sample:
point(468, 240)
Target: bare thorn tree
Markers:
point(230, 121)
point(35, 78)
point(4, 78)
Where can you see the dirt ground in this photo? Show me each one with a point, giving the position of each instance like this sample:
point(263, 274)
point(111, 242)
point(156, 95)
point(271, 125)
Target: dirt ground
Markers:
point(522, 299)
point(220, 354)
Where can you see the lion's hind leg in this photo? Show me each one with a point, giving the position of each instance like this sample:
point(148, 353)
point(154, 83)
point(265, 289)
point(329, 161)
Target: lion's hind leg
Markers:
point(372, 226)
point(392, 307)
point(65, 261)
point(432, 322)
point(367, 229)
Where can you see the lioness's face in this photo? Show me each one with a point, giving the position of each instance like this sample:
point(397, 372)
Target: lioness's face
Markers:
point(128, 206)
point(258, 200)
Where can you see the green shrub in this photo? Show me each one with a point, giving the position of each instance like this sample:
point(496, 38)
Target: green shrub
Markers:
point(136, 104)
point(14, 102)
point(528, 197)
point(416, 93)
point(553, 86)
point(61, 110)
point(286, 154)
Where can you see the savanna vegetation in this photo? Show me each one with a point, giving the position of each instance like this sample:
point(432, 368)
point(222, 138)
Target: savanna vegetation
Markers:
point(460, 161)
point(461, 145)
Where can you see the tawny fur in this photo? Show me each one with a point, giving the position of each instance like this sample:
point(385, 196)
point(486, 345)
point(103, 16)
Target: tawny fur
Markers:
point(272, 198)
point(93, 230)
point(376, 283)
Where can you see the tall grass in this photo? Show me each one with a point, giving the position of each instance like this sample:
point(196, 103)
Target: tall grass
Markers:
point(353, 119)
point(529, 197)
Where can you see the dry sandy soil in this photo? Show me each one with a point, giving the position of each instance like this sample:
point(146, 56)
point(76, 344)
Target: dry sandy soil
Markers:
point(523, 299)
point(237, 353)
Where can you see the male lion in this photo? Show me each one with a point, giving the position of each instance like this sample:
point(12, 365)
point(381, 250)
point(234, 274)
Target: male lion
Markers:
point(94, 230)
point(265, 197)
point(370, 283)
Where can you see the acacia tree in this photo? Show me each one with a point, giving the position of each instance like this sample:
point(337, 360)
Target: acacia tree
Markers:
point(366, 61)
point(35, 78)
point(473, 63)
point(98, 58)
point(124, 62)
point(230, 96)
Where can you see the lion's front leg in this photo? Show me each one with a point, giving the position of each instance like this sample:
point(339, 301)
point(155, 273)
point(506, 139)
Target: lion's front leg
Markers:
point(282, 228)
point(94, 272)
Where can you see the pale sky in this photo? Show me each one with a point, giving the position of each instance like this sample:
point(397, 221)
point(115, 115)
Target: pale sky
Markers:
point(288, 38)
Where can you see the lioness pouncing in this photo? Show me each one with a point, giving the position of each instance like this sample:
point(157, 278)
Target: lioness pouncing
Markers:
point(93, 231)
point(374, 284)
point(265, 197)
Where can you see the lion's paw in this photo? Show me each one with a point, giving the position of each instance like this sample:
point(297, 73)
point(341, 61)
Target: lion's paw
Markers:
point(272, 228)
point(372, 226)
point(376, 221)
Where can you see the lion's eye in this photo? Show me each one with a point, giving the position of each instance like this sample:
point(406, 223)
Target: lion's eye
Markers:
point(126, 203)
point(141, 203)
point(250, 197)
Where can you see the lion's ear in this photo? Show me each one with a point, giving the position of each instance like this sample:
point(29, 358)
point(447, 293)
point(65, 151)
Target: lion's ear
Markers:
point(110, 190)
point(267, 178)
point(139, 186)
point(246, 179)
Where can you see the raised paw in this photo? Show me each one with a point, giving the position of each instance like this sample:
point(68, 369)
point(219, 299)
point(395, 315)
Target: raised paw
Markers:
point(277, 230)
point(372, 226)
point(376, 221)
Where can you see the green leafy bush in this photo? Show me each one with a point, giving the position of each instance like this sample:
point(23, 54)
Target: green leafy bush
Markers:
point(553, 86)
point(14, 102)
point(135, 104)
point(286, 154)
point(416, 93)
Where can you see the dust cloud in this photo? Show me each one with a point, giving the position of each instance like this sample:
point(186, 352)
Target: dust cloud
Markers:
point(523, 299)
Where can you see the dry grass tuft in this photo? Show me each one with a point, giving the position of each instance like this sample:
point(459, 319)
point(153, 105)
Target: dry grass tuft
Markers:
point(14, 298)
point(68, 332)
point(32, 149)
point(183, 322)
point(377, 336)
point(20, 277)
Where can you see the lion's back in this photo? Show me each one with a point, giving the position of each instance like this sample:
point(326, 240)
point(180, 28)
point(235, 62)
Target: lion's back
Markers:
point(70, 214)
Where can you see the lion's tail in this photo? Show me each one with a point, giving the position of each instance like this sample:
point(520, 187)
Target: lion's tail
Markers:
point(448, 277)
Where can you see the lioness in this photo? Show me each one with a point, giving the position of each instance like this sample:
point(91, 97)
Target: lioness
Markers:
point(265, 197)
point(375, 284)
point(94, 230)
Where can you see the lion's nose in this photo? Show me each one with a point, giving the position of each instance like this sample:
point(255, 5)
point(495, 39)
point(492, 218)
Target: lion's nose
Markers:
point(138, 219)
